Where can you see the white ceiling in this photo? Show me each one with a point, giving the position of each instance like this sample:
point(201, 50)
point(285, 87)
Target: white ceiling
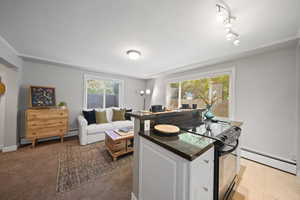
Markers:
point(170, 33)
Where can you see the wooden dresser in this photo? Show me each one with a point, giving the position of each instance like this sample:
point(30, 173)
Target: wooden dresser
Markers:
point(43, 123)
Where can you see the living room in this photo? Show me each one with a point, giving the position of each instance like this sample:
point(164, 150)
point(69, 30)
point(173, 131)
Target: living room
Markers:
point(76, 75)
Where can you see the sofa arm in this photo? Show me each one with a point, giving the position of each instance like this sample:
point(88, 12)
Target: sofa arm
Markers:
point(82, 126)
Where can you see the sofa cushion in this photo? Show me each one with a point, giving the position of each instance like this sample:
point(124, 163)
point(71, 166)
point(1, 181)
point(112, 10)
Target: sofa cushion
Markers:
point(90, 116)
point(101, 117)
point(109, 114)
point(122, 124)
point(118, 115)
point(99, 128)
point(128, 111)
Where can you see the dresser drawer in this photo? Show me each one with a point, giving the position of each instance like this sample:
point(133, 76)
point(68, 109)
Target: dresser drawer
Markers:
point(46, 114)
point(46, 132)
point(38, 124)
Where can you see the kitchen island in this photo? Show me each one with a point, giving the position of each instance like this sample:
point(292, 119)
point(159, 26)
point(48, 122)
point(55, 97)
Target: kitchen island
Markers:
point(177, 167)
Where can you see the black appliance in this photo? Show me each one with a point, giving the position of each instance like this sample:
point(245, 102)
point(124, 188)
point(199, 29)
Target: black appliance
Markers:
point(185, 106)
point(226, 161)
point(156, 108)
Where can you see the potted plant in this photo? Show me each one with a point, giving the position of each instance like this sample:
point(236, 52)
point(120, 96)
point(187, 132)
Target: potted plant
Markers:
point(62, 105)
point(209, 102)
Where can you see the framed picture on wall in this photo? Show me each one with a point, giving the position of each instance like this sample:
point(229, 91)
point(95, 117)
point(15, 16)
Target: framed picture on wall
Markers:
point(41, 96)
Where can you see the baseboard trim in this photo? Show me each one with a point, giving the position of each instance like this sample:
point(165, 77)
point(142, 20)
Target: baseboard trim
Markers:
point(133, 197)
point(9, 148)
point(278, 163)
point(71, 133)
point(1, 147)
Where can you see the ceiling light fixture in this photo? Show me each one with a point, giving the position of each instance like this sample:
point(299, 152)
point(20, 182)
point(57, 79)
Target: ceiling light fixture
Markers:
point(229, 36)
point(236, 42)
point(224, 14)
point(133, 54)
point(220, 14)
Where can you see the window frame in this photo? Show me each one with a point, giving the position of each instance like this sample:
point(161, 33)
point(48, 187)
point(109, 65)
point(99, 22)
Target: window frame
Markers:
point(87, 77)
point(209, 74)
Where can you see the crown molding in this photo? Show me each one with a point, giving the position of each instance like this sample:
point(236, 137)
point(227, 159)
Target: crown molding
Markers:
point(254, 51)
point(30, 58)
point(9, 55)
point(2, 40)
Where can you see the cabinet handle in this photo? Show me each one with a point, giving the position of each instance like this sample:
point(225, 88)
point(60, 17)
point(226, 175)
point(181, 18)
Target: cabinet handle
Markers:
point(205, 189)
point(206, 161)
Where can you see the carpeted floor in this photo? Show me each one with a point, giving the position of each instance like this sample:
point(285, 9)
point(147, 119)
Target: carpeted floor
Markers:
point(51, 171)
point(64, 171)
point(80, 164)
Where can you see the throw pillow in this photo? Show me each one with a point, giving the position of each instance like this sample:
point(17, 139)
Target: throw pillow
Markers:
point(90, 116)
point(101, 117)
point(118, 115)
point(128, 117)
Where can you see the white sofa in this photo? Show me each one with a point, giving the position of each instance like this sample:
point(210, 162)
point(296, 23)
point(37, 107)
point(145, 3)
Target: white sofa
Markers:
point(96, 132)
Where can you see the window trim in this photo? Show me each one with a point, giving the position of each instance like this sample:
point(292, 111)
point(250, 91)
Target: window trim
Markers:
point(95, 77)
point(231, 71)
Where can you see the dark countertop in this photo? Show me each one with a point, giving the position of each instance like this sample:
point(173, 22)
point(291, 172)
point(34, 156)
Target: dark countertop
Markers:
point(188, 145)
point(145, 115)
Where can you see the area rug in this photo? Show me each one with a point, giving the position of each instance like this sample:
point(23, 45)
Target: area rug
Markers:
point(80, 164)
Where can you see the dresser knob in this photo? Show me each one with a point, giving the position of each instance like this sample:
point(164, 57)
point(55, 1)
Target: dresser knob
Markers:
point(206, 161)
point(205, 189)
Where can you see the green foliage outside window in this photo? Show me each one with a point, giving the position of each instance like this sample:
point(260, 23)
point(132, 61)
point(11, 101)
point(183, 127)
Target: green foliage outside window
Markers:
point(98, 86)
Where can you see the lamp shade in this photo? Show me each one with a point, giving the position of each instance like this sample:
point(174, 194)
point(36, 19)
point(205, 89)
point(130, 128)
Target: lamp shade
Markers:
point(2, 88)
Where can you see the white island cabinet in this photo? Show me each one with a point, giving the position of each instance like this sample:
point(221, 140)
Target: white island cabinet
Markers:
point(164, 175)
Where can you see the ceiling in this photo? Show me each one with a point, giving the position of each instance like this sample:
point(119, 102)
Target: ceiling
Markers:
point(95, 34)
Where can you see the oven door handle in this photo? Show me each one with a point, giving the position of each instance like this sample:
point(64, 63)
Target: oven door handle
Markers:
point(222, 153)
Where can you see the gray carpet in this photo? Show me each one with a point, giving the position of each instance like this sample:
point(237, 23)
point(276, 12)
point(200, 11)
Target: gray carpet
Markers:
point(81, 164)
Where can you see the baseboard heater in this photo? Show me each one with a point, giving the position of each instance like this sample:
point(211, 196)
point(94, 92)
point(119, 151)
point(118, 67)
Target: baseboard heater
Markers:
point(272, 161)
point(71, 133)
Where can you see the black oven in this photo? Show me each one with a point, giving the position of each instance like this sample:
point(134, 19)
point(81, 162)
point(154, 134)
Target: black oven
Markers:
point(227, 156)
point(226, 165)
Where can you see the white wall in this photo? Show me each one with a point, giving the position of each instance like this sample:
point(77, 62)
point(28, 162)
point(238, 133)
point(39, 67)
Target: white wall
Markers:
point(2, 111)
point(69, 87)
point(298, 101)
point(10, 67)
point(11, 80)
point(266, 99)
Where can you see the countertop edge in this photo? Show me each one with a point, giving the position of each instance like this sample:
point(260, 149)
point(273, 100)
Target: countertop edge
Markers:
point(177, 152)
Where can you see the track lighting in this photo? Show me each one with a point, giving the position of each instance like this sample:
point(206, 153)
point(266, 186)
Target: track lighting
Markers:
point(225, 16)
point(220, 14)
point(229, 36)
point(228, 23)
point(236, 42)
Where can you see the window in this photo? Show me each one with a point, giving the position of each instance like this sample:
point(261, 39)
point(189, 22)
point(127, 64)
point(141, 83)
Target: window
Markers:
point(102, 93)
point(195, 90)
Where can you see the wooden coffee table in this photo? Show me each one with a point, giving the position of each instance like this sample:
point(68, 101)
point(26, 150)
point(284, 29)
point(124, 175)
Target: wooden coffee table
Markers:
point(118, 145)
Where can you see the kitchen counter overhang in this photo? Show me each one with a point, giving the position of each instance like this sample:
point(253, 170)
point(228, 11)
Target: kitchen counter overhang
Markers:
point(185, 144)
